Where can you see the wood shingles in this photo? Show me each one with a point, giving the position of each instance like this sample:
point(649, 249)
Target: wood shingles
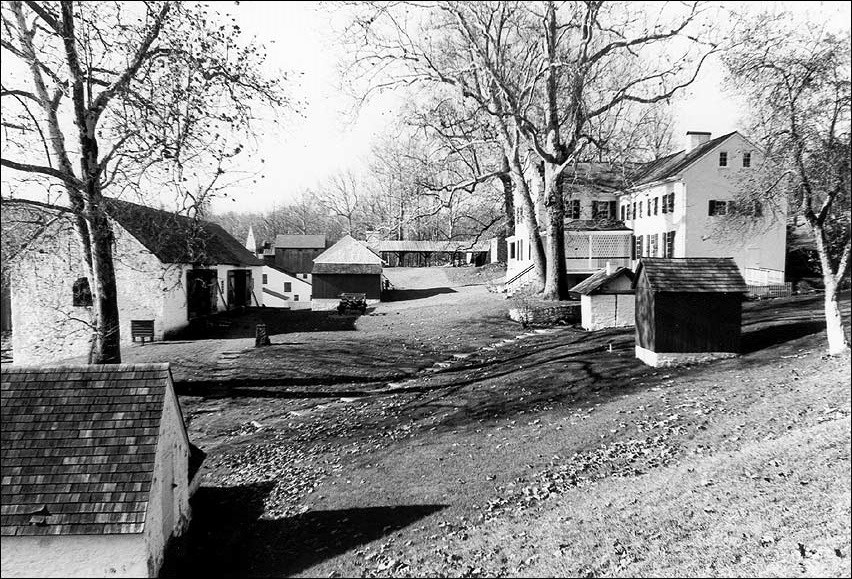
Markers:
point(691, 275)
point(78, 447)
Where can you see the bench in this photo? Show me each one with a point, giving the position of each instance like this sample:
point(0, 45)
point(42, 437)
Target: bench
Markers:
point(142, 329)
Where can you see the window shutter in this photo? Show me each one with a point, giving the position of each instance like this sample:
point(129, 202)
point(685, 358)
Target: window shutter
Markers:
point(711, 209)
point(613, 212)
point(665, 204)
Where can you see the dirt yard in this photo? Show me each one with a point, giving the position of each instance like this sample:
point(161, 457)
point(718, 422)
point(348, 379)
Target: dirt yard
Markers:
point(433, 436)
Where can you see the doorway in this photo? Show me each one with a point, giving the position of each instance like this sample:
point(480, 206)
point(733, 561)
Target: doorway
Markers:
point(239, 288)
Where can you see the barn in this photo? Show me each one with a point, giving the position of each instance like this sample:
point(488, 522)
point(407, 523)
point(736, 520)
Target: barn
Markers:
point(97, 470)
point(687, 309)
point(606, 299)
point(348, 266)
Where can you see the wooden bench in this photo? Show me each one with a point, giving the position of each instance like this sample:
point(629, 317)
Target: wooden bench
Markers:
point(142, 329)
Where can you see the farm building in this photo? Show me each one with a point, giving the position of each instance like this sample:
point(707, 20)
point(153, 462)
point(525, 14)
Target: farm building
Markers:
point(606, 299)
point(414, 253)
point(348, 266)
point(282, 289)
point(295, 253)
point(97, 470)
point(170, 270)
point(687, 309)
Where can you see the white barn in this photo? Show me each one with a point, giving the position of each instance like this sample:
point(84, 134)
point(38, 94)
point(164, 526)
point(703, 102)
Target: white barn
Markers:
point(284, 290)
point(170, 270)
point(97, 470)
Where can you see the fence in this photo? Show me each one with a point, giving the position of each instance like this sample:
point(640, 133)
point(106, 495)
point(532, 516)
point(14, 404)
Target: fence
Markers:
point(783, 290)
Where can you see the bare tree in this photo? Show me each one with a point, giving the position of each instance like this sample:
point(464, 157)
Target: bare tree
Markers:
point(155, 93)
point(342, 195)
point(798, 80)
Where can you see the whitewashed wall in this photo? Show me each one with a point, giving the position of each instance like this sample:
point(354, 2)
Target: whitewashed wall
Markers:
point(276, 279)
point(75, 556)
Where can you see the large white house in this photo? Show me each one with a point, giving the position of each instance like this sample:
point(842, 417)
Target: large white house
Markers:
point(169, 270)
point(671, 207)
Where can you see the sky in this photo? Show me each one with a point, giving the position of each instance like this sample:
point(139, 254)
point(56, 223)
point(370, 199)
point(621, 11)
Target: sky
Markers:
point(327, 136)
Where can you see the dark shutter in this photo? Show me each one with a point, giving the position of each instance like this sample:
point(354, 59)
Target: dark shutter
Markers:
point(711, 208)
point(613, 212)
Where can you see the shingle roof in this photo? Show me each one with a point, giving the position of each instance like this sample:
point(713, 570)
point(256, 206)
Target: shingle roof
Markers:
point(691, 274)
point(430, 246)
point(595, 225)
point(78, 447)
point(673, 164)
point(177, 238)
point(348, 250)
point(300, 241)
point(598, 279)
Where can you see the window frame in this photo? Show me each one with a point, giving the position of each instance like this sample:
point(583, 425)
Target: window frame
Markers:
point(81, 293)
point(723, 158)
point(746, 159)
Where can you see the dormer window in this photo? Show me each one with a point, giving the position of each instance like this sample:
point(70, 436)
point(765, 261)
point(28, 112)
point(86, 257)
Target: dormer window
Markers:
point(747, 159)
point(723, 159)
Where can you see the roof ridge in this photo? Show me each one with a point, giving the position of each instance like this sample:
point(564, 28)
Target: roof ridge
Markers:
point(127, 367)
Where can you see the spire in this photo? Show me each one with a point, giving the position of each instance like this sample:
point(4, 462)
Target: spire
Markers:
point(251, 244)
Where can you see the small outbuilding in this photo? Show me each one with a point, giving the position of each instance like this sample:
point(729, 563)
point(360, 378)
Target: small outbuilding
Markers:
point(97, 470)
point(606, 299)
point(348, 266)
point(687, 309)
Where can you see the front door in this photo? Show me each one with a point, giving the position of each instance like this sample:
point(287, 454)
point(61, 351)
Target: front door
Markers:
point(239, 288)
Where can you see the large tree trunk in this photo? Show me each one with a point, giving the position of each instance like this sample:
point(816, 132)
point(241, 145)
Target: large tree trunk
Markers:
point(524, 198)
point(508, 198)
point(556, 286)
point(106, 348)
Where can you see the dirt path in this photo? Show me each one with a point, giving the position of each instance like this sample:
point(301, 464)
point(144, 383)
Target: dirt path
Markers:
point(399, 481)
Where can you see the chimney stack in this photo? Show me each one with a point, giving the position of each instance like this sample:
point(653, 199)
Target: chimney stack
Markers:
point(696, 138)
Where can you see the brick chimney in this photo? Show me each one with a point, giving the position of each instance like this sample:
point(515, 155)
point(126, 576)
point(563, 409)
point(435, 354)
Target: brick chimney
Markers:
point(695, 138)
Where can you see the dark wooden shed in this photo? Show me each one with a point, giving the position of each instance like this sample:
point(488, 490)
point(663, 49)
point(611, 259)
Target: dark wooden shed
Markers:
point(348, 266)
point(687, 309)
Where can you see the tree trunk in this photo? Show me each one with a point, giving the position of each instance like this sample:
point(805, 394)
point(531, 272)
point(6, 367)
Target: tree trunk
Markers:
point(508, 198)
point(107, 345)
point(837, 342)
point(555, 286)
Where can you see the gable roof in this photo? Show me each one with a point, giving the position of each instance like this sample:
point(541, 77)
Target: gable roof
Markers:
point(599, 279)
point(285, 272)
point(671, 165)
point(690, 274)
point(348, 256)
point(78, 447)
point(174, 238)
point(300, 241)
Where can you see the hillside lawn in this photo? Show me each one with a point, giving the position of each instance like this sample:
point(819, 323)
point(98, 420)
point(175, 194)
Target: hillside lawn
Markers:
point(435, 437)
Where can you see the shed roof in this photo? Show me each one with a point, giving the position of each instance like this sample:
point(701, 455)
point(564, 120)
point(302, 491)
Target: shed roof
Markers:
point(598, 279)
point(300, 241)
point(424, 246)
point(671, 165)
point(174, 238)
point(78, 447)
point(691, 275)
point(348, 251)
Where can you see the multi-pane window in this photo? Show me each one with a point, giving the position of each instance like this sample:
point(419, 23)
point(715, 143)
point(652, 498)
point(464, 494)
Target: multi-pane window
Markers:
point(747, 159)
point(717, 208)
point(670, 202)
point(652, 242)
point(634, 210)
point(723, 159)
point(627, 210)
point(296, 298)
point(669, 243)
point(265, 281)
point(288, 287)
point(640, 208)
point(81, 293)
point(656, 205)
point(601, 209)
point(650, 206)
point(573, 209)
point(637, 250)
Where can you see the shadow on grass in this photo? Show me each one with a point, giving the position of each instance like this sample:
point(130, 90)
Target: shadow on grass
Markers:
point(769, 336)
point(400, 295)
point(228, 537)
point(236, 324)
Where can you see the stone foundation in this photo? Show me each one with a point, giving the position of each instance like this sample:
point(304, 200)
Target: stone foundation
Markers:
point(529, 315)
point(663, 359)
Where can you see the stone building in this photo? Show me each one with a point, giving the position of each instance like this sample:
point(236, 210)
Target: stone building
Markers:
point(97, 470)
point(170, 270)
point(606, 299)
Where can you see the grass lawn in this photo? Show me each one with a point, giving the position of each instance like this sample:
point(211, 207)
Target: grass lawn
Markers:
point(521, 453)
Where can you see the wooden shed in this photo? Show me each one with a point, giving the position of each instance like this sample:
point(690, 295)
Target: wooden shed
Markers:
point(606, 299)
point(348, 266)
point(687, 309)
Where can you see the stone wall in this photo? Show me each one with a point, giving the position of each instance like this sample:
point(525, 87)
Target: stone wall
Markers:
point(545, 314)
point(601, 311)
